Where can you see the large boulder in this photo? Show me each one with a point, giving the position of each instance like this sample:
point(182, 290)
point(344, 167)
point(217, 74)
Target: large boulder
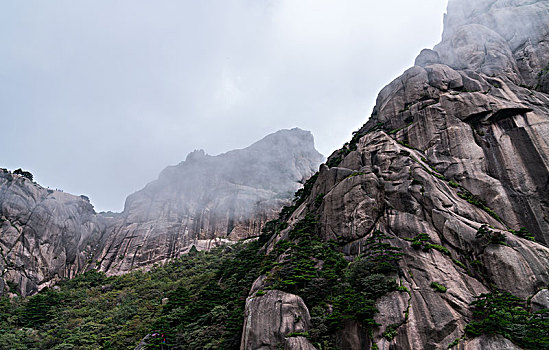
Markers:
point(275, 319)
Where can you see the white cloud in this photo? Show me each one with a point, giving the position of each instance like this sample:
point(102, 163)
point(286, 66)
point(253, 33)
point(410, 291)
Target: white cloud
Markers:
point(97, 96)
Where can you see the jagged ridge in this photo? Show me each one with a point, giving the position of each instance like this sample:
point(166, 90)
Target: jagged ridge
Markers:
point(203, 202)
point(452, 163)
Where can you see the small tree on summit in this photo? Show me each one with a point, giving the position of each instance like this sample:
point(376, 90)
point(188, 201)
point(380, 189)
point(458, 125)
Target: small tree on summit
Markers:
point(24, 173)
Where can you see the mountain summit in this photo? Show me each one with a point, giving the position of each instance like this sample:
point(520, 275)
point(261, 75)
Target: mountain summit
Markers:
point(204, 201)
point(209, 200)
point(440, 202)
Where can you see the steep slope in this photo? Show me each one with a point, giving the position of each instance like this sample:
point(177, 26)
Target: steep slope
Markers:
point(473, 107)
point(208, 200)
point(453, 161)
point(48, 235)
point(45, 235)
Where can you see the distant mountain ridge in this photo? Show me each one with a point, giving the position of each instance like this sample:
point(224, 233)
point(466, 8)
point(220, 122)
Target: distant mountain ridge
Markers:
point(204, 201)
point(208, 200)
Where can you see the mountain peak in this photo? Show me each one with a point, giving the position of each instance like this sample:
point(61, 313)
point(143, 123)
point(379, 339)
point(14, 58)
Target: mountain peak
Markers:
point(195, 155)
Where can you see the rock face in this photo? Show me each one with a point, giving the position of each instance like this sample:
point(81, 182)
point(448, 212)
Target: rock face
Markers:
point(457, 142)
point(286, 319)
point(209, 200)
point(472, 109)
point(205, 201)
point(45, 235)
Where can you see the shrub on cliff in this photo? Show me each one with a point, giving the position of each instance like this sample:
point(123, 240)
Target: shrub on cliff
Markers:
point(24, 173)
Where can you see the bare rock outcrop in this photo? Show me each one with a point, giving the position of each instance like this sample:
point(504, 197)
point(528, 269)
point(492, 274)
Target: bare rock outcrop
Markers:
point(456, 149)
point(393, 188)
point(203, 202)
point(45, 235)
point(283, 325)
point(485, 342)
point(474, 112)
point(207, 201)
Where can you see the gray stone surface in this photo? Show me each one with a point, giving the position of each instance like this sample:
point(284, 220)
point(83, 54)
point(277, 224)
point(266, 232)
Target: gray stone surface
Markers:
point(45, 235)
point(472, 117)
point(476, 114)
point(485, 342)
point(473, 111)
point(271, 317)
point(540, 301)
point(205, 201)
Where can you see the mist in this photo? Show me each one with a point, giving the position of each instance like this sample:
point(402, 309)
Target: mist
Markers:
point(97, 97)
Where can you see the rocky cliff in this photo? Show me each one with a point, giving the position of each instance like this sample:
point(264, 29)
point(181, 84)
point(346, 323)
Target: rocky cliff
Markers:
point(428, 230)
point(453, 169)
point(209, 200)
point(45, 235)
point(48, 235)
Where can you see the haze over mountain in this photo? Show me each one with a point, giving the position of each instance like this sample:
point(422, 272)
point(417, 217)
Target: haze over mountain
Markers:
point(202, 202)
point(428, 229)
point(208, 200)
point(95, 90)
point(442, 191)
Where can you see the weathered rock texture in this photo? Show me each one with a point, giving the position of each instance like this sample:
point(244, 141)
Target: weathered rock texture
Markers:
point(469, 121)
point(470, 106)
point(209, 200)
point(205, 201)
point(286, 319)
point(45, 235)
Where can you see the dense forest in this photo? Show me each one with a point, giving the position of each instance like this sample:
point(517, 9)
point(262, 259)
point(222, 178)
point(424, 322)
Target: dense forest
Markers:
point(198, 300)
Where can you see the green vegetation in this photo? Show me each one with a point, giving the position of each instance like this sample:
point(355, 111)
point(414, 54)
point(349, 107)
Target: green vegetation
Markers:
point(505, 314)
point(378, 126)
point(23, 173)
point(439, 176)
point(391, 331)
point(318, 200)
point(404, 153)
point(338, 158)
point(454, 343)
point(298, 334)
point(495, 83)
point(394, 131)
point(460, 264)
point(349, 147)
point(422, 241)
point(544, 71)
point(438, 287)
point(477, 263)
point(206, 293)
point(404, 144)
point(355, 173)
point(206, 298)
point(429, 168)
point(299, 197)
point(524, 233)
point(440, 248)
point(406, 107)
point(354, 141)
point(333, 289)
point(271, 228)
point(540, 77)
point(471, 198)
point(489, 236)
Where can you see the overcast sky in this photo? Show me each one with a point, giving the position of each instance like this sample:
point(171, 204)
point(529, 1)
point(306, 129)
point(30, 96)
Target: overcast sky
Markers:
point(98, 96)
